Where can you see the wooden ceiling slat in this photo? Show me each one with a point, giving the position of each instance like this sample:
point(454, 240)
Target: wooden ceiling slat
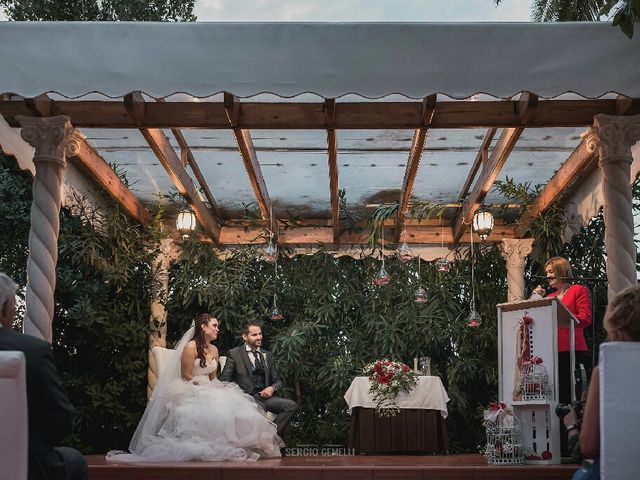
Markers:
point(295, 116)
point(167, 156)
point(248, 154)
point(581, 160)
point(498, 157)
point(88, 159)
point(332, 160)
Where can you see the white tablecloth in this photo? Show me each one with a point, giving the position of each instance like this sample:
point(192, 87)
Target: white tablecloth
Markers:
point(428, 394)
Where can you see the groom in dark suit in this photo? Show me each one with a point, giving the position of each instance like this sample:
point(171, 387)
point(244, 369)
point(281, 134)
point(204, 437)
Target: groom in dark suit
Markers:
point(50, 411)
point(254, 370)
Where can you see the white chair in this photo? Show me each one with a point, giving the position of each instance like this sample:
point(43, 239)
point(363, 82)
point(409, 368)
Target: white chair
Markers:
point(14, 434)
point(619, 410)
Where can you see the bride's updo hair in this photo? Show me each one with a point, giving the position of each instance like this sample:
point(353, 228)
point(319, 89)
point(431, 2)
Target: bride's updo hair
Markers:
point(198, 336)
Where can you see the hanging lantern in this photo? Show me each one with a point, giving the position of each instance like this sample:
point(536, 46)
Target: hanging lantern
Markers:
point(420, 296)
point(404, 252)
point(474, 319)
point(275, 313)
point(382, 278)
point(186, 223)
point(443, 265)
point(483, 222)
point(270, 254)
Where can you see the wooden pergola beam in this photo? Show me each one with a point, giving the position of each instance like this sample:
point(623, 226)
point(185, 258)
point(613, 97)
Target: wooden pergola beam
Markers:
point(413, 162)
point(165, 153)
point(498, 157)
point(89, 160)
point(311, 116)
point(422, 235)
point(248, 154)
point(481, 159)
point(580, 160)
point(187, 158)
point(332, 160)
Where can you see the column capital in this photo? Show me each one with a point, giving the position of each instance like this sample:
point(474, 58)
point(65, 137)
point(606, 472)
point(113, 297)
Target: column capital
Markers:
point(515, 250)
point(612, 136)
point(53, 137)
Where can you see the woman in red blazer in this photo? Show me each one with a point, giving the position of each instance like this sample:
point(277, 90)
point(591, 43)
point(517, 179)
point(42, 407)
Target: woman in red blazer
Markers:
point(576, 299)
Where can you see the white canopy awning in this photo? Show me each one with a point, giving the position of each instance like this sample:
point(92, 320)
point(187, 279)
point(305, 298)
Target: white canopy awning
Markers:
point(330, 60)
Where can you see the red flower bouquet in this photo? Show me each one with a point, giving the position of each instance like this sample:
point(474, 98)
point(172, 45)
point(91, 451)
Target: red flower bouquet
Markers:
point(387, 380)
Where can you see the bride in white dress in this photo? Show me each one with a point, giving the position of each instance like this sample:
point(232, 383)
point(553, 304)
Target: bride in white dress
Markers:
point(191, 415)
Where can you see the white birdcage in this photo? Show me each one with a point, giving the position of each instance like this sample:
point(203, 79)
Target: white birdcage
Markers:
point(534, 382)
point(504, 438)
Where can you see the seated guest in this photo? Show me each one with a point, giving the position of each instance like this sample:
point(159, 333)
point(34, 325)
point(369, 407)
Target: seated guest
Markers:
point(622, 323)
point(50, 411)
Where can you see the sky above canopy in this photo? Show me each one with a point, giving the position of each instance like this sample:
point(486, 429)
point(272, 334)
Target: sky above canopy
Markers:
point(363, 10)
point(360, 11)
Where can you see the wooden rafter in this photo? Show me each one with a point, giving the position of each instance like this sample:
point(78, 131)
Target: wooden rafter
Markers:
point(187, 158)
point(165, 153)
point(248, 154)
point(498, 157)
point(580, 160)
point(89, 160)
point(413, 162)
point(311, 116)
point(481, 159)
point(527, 112)
point(332, 160)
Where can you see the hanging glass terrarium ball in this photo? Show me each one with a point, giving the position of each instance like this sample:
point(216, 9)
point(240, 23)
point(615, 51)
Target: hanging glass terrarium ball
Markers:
point(275, 313)
point(420, 296)
point(443, 265)
point(404, 252)
point(382, 278)
point(474, 319)
point(270, 254)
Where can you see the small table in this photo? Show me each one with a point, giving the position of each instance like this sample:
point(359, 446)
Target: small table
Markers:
point(419, 427)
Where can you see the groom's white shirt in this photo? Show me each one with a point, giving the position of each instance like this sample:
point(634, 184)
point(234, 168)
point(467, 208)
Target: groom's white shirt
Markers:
point(252, 359)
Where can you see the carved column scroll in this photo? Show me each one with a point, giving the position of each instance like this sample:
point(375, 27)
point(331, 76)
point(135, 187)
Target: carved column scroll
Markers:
point(53, 138)
point(515, 252)
point(613, 137)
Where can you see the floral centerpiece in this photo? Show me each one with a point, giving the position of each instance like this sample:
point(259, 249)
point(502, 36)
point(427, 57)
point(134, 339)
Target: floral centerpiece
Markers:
point(387, 380)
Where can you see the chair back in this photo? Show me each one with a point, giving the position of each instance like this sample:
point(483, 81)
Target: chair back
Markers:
point(164, 355)
point(14, 433)
point(619, 410)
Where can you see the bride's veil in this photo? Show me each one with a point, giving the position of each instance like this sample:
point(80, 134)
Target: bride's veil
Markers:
point(156, 411)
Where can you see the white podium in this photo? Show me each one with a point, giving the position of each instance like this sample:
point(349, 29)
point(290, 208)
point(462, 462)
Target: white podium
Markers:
point(540, 425)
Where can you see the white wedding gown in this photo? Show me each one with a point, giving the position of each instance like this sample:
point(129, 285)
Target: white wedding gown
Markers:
point(204, 420)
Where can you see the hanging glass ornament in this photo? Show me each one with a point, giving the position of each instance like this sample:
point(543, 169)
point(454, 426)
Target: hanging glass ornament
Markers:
point(275, 313)
point(404, 252)
point(420, 296)
point(443, 265)
point(382, 278)
point(270, 254)
point(474, 319)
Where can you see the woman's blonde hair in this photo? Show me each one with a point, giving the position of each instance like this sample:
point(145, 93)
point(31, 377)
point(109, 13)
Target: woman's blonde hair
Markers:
point(560, 267)
point(622, 319)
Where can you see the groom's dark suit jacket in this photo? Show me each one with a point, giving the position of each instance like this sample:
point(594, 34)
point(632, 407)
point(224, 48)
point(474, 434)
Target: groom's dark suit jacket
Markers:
point(238, 369)
point(50, 411)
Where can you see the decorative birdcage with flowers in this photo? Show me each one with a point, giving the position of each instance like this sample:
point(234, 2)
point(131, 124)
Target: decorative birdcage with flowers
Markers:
point(534, 380)
point(504, 436)
point(387, 380)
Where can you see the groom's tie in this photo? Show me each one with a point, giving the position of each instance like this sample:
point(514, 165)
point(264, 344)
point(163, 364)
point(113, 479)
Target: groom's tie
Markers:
point(257, 358)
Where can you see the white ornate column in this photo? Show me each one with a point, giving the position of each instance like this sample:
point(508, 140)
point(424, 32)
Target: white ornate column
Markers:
point(515, 252)
point(613, 137)
point(158, 318)
point(53, 139)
